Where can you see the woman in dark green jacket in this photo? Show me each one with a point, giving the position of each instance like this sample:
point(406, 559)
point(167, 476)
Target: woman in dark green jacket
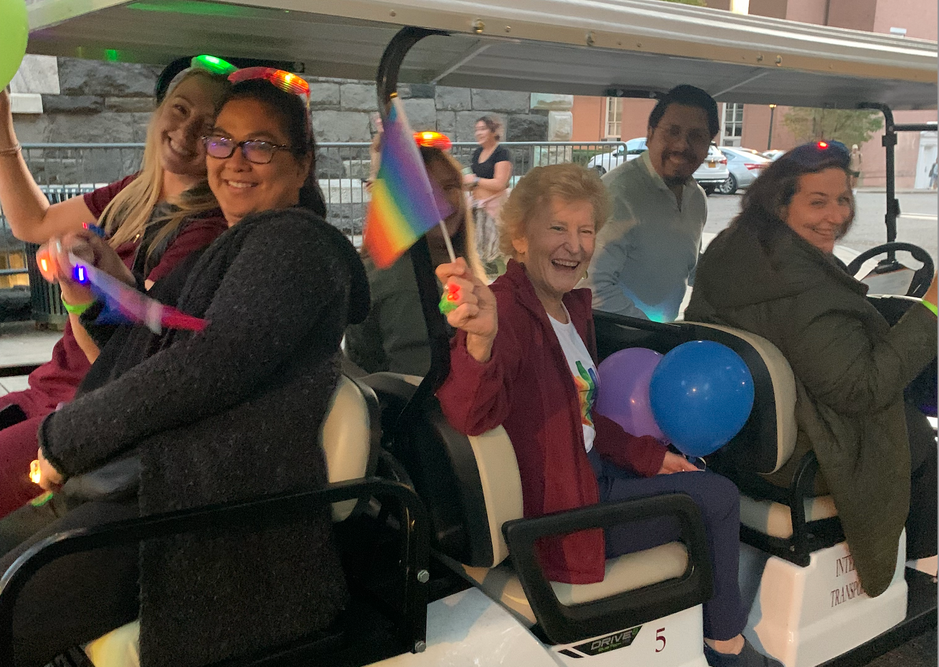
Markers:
point(772, 272)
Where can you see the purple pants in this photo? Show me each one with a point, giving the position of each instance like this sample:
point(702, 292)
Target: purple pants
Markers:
point(719, 502)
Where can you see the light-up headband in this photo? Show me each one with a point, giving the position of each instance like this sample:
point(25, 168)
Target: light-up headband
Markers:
point(433, 140)
point(287, 82)
point(213, 65)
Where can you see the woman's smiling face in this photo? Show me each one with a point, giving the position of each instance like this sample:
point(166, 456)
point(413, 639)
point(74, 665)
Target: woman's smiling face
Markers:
point(557, 246)
point(243, 187)
point(185, 116)
point(820, 208)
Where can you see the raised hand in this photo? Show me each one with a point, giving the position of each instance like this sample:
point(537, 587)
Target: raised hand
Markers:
point(475, 307)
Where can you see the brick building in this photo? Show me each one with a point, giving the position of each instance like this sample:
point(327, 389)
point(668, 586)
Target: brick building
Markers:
point(750, 125)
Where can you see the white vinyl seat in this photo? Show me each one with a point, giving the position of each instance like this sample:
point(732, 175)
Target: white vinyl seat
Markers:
point(775, 519)
point(502, 491)
point(347, 438)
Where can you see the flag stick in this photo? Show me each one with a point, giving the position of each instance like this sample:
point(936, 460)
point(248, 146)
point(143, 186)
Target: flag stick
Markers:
point(446, 239)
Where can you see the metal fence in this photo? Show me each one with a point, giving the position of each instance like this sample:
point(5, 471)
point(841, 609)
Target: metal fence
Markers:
point(343, 168)
point(67, 170)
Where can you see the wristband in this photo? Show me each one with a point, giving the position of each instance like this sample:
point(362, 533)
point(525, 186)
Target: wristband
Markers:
point(76, 309)
point(931, 306)
point(12, 150)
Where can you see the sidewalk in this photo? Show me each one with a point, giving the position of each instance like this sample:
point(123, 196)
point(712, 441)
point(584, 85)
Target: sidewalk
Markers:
point(22, 344)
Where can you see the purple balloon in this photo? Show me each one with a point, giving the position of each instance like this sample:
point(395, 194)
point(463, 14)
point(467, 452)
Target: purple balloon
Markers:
point(623, 395)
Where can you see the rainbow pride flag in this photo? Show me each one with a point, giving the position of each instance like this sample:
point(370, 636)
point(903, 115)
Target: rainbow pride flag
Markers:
point(403, 206)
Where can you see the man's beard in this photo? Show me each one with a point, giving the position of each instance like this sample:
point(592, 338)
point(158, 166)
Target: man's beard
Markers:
point(673, 181)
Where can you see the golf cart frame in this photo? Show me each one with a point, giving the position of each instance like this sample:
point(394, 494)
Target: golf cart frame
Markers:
point(777, 63)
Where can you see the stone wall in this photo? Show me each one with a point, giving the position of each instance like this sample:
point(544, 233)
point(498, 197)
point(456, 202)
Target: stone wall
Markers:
point(97, 103)
point(111, 102)
point(86, 101)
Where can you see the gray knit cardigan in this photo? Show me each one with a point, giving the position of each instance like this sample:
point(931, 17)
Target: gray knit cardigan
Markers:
point(232, 412)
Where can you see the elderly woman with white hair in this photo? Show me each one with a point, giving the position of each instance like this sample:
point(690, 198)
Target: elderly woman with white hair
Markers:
point(525, 357)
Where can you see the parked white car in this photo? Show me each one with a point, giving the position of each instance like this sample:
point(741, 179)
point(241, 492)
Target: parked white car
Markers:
point(712, 172)
point(604, 162)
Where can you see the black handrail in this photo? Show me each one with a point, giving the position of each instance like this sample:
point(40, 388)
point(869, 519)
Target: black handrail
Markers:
point(264, 512)
point(386, 83)
point(563, 624)
point(889, 142)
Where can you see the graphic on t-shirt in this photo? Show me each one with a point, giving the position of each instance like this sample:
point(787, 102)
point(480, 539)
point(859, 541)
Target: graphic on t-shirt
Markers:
point(586, 384)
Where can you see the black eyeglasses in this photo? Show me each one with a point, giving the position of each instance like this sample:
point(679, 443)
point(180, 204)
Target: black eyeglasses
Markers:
point(820, 151)
point(256, 151)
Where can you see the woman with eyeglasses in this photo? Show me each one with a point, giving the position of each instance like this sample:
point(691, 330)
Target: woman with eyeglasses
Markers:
point(153, 218)
point(773, 273)
point(225, 414)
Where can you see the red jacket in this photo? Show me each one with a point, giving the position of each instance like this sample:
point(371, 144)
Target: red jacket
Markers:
point(526, 386)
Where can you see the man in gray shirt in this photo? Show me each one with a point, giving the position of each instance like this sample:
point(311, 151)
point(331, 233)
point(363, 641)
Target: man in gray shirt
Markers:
point(646, 253)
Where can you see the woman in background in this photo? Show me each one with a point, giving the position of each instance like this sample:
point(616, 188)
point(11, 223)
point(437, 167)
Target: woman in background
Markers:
point(488, 184)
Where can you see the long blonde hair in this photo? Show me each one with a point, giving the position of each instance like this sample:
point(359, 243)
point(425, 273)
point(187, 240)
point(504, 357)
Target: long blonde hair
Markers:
point(129, 214)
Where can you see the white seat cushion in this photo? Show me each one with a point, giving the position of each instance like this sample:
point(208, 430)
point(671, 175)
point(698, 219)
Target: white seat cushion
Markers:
point(626, 573)
point(501, 485)
point(346, 439)
point(118, 648)
point(775, 519)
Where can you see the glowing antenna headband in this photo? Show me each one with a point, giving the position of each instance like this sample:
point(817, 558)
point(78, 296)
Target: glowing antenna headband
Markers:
point(285, 81)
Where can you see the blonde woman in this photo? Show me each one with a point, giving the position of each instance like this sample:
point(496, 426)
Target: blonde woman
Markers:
point(142, 214)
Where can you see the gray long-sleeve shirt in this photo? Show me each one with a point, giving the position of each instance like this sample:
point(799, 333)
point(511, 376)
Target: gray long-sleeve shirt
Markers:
point(647, 251)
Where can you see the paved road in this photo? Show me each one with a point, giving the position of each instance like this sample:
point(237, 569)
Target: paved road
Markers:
point(917, 222)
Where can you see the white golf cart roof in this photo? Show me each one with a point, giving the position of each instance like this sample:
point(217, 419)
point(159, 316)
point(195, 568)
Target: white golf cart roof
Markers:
point(585, 47)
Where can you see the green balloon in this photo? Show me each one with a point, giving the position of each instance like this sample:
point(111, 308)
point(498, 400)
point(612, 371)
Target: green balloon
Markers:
point(14, 31)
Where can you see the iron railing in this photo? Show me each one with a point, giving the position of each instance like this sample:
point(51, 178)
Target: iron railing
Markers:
point(63, 170)
point(66, 170)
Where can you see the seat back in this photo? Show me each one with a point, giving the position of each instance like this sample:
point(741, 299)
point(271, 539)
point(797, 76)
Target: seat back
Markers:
point(767, 439)
point(501, 486)
point(470, 484)
point(772, 422)
point(349, 437)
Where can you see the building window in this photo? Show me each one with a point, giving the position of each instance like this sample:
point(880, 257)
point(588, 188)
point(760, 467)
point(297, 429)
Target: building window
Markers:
point(614, 118)
point(732, 124)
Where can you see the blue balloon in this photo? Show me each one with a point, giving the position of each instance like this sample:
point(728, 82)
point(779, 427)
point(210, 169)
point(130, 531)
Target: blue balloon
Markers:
point(701, 395)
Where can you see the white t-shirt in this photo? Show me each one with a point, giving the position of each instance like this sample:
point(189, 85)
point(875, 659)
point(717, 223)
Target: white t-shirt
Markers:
point(584, 372)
